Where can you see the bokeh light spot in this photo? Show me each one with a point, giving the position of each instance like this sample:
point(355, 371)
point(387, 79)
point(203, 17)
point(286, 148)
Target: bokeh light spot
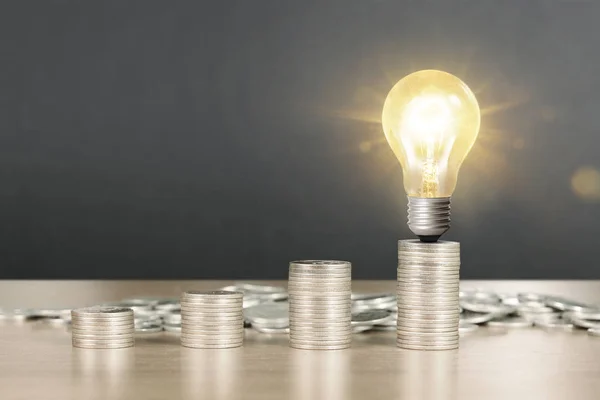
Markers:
point(585, 183)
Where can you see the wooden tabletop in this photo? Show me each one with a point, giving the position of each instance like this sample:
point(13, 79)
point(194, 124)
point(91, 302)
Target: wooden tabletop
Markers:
point(37, 361)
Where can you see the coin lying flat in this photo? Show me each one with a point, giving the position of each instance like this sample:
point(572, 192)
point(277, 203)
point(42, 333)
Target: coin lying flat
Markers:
point(510, 322)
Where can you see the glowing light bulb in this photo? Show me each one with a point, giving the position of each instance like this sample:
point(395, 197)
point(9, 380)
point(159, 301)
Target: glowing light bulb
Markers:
point(430, 120)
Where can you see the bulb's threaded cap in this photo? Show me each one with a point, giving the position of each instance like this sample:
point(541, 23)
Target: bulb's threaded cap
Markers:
point(429, 218)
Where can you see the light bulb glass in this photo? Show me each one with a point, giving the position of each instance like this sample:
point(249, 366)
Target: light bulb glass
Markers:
point(431, 120)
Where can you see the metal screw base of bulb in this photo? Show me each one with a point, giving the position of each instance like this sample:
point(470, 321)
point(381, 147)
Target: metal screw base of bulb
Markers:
point(429, 218)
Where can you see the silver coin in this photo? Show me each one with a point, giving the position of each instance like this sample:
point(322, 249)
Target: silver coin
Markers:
point(330, 264)
point(486, 308)
point(413, 314)
point(316, 307)
point(100, 332)
point(206, 314)
point(593, 332)
point(580, 322)
point(216, 305)
point(440, 245)
point(265, 329)
point(322, 327)
point(315, 290)
point(371, 317)
point(477, 318)
point(102, 325)
point(100, 328)
point(103, 345)
point(101, 311)
point(319, 343)
point(563, 304)
point(213, 327)
point(212, 341)
point(115, 341)
point(421, 290)
point(408, 346)
point(430, 282)
point(195, 345)
point(524, 309)
point(345, 317)
point(417, 299)
point(418, 272)
point(319, 325)
point(589, 314)
point(302, 346)
point(323, 341)
point(208, 338)
point(212, 294)
point(430, 265)
point(434, 342)
point(319, 334)
point(427, 335)
point(334, 276)
point(514, 322)
point(101, 338)
point(432, 328)
point(323, 300)
point(557, 324)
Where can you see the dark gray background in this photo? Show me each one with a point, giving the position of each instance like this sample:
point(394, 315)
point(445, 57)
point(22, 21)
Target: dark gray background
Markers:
point(221, 139)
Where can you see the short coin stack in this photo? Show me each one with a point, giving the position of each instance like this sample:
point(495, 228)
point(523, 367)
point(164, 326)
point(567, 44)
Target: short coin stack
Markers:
point(102, 327)
point(427, 295)
point(212, 320)
point(320, 306)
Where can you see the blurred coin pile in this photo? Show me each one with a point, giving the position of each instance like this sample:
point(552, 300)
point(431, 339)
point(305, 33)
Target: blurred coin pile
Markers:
point(266, 310)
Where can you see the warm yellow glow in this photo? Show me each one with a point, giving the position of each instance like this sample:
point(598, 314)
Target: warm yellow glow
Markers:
point(586, 183)
point(431, 120)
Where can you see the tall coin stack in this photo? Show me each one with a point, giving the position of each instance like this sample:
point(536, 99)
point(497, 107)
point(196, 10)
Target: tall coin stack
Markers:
point(427, 295)
point(212, 320)
point(320, 304)
point(102, 327)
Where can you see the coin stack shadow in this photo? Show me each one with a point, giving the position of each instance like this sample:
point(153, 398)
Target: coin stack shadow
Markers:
point(427, 295)
point(320, 305)
point(102, 327)
point(212, 320)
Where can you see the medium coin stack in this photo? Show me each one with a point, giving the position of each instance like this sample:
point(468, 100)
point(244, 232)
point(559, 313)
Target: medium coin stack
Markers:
point(320, 304)
point(102, 327)
point(212, 320)
point(427, 295)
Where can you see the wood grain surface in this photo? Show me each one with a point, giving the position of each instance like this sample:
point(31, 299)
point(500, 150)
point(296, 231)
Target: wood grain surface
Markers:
point(38, 362)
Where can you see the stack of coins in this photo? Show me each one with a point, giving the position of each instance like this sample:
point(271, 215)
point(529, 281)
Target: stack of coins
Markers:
point(428, 309)
point(212, 320)
point(102, 327)
point(320, 304)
